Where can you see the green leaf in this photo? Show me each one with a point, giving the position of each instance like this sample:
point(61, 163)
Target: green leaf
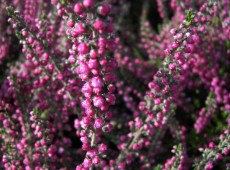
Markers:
point(19, 35)
point(158, 167)
point(227, 44)
point(190, 15)
point(197, 103)
point(179, 147)
point(63, 2)
point(44, 114)
point(10, 10)
point(136, 53)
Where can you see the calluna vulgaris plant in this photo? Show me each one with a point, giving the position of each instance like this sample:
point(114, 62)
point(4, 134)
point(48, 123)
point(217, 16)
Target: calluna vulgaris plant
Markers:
point(114, 84)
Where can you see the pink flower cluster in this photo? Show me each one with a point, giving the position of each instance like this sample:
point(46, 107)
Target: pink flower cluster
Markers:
point(114, 84)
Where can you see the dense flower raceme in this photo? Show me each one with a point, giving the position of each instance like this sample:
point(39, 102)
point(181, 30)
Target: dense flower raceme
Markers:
point(91, 32)
point(114, 84)
point(163, 88)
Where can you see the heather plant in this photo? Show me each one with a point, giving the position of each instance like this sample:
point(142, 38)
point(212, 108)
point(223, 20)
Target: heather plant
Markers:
point(114, 84)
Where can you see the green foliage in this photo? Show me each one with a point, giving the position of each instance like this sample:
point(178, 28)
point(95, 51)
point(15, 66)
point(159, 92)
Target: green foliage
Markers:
point(158, 167)
point(63, 2)
point(190, 15)
point(227, 44)
point(136, 53)
point(41, 115)
point(10, 10)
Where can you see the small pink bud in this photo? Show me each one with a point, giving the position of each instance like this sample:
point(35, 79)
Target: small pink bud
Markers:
point(179, 36)
point(86, 103)
point(83, 48)
point(78, 9)
point(93, 54)
point(96, 160)
point(70, 23)
point(102, 148)
point(79, 28)
point(96, 82)
point(173, 31)
point(76, 124)
point(83, 68)
point(111, 88)
point(87, 3)
point(172, 66)
point(93, 63)
point(98, 101)
point(104, 9)
point(71, 59)
point(24, 33)
point(101, 51)
point(177, 55)
point(39, 134)
point(157, 101)
point(101, 42)
point(98, 123)
point(98, 25)
point(84, 139)
point(175, 45)
point(87, 90)
point(110, 98)
point(167, 51)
